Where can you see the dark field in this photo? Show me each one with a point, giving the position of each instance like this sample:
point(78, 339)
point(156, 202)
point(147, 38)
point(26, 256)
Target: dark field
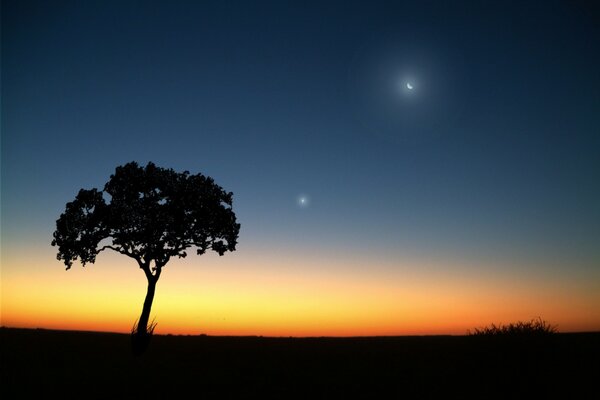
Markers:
point(100, 365)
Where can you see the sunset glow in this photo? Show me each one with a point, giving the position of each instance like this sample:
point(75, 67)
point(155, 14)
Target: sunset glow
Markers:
point(256, 295)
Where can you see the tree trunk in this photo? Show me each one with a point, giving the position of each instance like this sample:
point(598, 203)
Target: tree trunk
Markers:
point(143, 322)
point(140, 337)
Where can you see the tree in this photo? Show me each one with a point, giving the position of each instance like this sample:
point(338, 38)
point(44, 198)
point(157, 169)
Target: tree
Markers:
point(150, 214)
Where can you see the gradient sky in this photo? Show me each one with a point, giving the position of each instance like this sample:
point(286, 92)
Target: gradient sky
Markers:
point(473, 198)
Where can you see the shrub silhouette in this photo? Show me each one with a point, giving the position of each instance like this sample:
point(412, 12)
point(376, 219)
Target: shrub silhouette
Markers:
point(534, 327)
point(150, 214)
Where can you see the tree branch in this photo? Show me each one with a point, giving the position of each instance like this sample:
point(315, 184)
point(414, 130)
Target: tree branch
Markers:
point(146, 268)
point(112, 248)
point(121, 251)
point(157, 271)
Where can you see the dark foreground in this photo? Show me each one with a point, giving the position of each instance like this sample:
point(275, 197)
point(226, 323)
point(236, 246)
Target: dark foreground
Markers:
point(100, 365)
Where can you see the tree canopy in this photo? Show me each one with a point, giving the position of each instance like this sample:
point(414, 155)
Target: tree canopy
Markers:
point(149, 214)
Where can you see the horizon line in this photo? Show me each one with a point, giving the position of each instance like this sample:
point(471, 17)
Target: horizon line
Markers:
point(267, 336)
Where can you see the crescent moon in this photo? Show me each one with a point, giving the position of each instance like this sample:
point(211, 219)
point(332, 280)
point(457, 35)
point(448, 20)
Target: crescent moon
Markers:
point(409, 86)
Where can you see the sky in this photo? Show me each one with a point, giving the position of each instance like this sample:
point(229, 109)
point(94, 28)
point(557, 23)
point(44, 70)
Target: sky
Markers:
point(472, 198)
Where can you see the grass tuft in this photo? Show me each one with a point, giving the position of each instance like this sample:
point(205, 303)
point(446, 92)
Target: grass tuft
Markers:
point(534, 327)
point(140, 339)
point(149, 329)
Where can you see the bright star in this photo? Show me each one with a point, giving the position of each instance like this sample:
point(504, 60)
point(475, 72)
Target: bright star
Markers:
point(303, 200)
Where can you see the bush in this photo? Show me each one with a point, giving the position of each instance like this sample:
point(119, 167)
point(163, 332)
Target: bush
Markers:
point(535, 327)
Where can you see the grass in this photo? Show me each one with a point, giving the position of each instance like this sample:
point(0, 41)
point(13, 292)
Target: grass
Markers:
point(140, 340)
point(534, 327)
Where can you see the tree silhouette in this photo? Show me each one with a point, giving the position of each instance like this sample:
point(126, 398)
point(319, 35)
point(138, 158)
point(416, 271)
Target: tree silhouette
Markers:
point(150, 214)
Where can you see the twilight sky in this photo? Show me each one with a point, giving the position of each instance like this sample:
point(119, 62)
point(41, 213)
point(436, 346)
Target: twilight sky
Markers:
point(472, 198)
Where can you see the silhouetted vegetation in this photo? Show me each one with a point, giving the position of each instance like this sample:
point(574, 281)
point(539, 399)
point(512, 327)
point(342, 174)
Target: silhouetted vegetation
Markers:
point(140, 342)
point(150, 214)
point(534, 327)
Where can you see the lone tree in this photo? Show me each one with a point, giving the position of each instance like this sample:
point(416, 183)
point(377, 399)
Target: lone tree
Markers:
point(150, 214)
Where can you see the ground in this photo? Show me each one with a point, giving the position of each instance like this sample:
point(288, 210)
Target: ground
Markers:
point(83, 365)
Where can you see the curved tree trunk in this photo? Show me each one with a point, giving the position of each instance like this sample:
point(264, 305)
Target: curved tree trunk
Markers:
point(140, 336)
point(142, 327)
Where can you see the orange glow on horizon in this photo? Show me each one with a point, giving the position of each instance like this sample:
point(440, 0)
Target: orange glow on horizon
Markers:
point(277, 297)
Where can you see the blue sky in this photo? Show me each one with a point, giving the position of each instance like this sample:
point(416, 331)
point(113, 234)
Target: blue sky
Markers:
point(493, 154)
